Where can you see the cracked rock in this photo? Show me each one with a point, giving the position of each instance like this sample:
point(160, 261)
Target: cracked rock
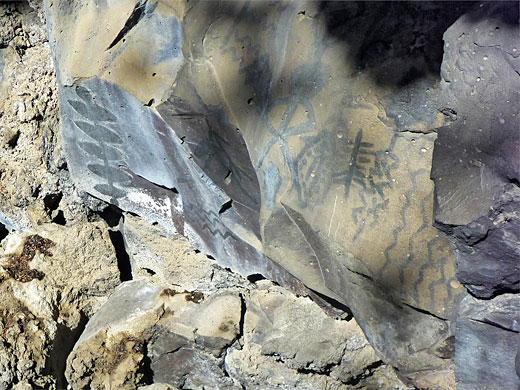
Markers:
point(476, 165)
point(487, 343)
point(276, 321)
point(144, 328)
point(300, 153)
point(290, 343)
point(59, 266)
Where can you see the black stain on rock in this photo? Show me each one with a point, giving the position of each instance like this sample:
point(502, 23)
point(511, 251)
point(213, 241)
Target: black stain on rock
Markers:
point(18, 265)
point(3, 231)
point(195, 297)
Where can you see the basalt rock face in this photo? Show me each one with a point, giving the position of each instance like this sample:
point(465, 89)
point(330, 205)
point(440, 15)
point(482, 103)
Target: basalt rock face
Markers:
point(476, 165)
point(488, 343)
point(63, 253)
point(476, 169)
point(288, 139)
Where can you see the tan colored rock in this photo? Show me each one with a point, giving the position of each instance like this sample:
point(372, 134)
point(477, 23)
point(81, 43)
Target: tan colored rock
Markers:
point(216, 321)
point(437, 380)
point(32, 166)
point(52, 280)
point(110, 351)
point(260, 372)
point(25, 344)
point(289, 343)
point(170, 257)
point(141, 317)
point(157, 386)
point(383, 377)
point(28, 94)
point(278, 321)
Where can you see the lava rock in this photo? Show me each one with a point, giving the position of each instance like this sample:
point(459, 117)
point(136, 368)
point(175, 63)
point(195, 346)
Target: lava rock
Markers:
point(487, 340)
point(476, 165)
point(273, 145)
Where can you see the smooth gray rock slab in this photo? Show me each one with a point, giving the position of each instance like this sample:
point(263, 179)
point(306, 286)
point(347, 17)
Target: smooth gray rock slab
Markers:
point(129, 301)
point(487, 343)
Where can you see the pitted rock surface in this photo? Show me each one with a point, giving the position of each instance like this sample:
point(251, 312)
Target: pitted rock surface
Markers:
point(476, 169)
point(476, 165)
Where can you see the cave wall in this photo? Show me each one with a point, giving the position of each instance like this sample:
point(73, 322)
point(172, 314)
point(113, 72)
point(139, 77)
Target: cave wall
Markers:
point(295, 140)
point(476, 170)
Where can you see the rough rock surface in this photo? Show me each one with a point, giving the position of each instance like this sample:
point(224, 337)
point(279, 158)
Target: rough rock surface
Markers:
point(286, 335)
point(33, 171)
point(476, 169)
point(274, 332)
point(476, 166)
point(286, 153)
point(52, 280)
point(53, 277)
point(59, 263)
point(152, 250)
point(287, 139)
point(488, 343)
point(228, 333)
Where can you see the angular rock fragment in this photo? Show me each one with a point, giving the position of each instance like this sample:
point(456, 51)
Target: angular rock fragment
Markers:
point(290, 343)
point(276, 321)
point(152, 250)
point(109, 345)
point(146, 328)
point(157, 386)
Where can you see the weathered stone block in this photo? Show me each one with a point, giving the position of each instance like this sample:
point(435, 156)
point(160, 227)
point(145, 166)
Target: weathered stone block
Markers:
point(487, 343)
